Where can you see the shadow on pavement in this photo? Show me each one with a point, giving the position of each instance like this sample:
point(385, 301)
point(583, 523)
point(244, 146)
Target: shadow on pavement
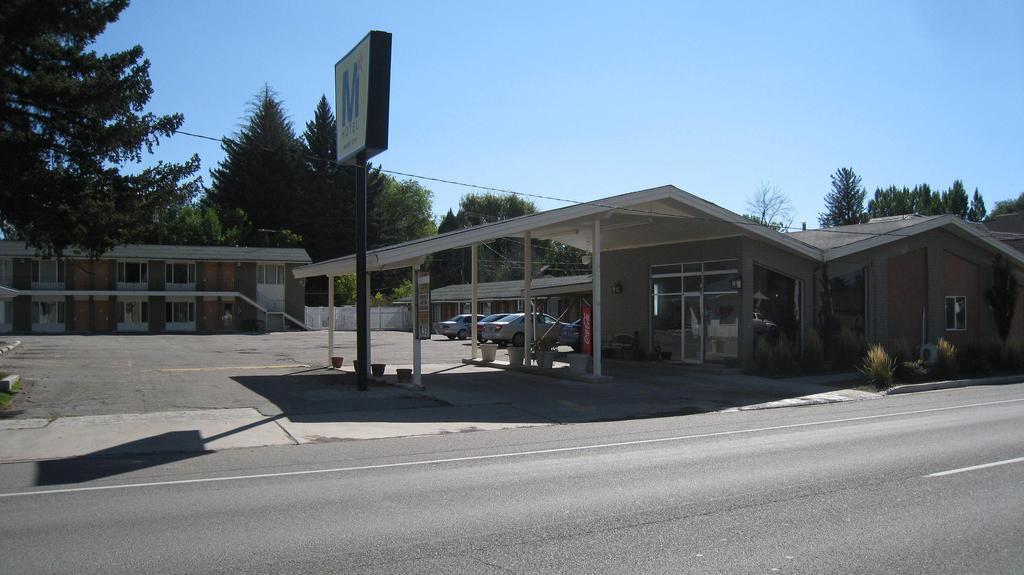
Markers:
point(157, 450)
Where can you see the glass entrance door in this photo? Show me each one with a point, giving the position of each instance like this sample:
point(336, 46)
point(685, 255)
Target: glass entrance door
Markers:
point(693, 329)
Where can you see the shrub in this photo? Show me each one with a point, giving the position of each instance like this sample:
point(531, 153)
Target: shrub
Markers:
point(813, 359)
point(911, 371)
point(783, 358)
point(973, 359)
point(946, 364)
point(847, 351)
point(1012, 356)
point(878, 367)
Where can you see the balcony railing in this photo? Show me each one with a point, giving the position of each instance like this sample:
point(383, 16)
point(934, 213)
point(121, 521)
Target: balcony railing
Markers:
point(180, 287)
point(48, 285)
point(133, 285)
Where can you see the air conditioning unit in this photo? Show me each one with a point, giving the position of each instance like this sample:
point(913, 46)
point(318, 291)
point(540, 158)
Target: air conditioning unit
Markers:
point(929, 353)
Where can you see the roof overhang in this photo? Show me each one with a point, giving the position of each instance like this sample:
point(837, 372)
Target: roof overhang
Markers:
point(950, 223)
point(649, 217)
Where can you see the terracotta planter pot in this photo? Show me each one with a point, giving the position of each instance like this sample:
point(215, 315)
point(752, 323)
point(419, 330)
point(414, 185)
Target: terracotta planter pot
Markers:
point(404, 375)
point(336, 362)
point(377, 369)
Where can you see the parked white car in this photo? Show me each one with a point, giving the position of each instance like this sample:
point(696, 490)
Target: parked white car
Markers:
point(511, 329)
point(460, 326)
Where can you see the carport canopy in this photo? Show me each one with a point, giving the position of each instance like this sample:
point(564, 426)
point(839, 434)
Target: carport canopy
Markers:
point(654, 216)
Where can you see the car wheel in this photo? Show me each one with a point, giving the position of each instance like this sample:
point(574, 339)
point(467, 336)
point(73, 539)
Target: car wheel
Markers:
point(462, 334)
point(451, 337)
point(518, 339)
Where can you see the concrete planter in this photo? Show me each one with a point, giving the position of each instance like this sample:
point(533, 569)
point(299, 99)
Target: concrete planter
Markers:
point(377, 369)
point(515, 355)
point(579, 363)
point(488, 351)
point(545, 359)
point(336, 362)
point(404, 375)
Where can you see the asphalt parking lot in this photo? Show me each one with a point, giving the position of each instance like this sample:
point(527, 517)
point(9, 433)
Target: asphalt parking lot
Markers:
point(69, 375)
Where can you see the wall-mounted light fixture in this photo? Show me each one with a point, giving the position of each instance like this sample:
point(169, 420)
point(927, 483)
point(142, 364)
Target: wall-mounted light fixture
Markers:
point(617, 288)
point(736, 283)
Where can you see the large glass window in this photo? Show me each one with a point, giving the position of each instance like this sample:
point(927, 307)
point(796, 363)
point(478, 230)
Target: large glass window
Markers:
point(269, 274)
point(6, 311)
point(776, 305)
point(48, 312)
point(695, 313)
point(48, 273)
point(180, 273)
point(6, 272)
point(132, 272)
point(181, 311)
point(849, 301)
point(133, 311)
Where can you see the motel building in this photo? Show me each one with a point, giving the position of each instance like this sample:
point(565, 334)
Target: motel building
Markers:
point(696, 283)
point(151, 288)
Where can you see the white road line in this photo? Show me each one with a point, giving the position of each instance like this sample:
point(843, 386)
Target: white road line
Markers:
point(974, 467)
point(499, 455)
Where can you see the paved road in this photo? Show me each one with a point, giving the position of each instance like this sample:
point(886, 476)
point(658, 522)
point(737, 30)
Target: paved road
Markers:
point(840, 488)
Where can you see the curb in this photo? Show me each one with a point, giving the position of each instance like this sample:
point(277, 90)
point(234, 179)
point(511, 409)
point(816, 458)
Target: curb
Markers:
point(953, 383)
point(9, 347)
point(7, 384)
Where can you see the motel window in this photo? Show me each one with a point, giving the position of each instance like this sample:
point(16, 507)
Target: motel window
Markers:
point(48, 312)
point(180, 273)
point(269, 274)
point(47, 271)
point(956, 313)
point(181, 311)
point(132, 272)
point(6, 272)
point(849, 301)
point(133, 312)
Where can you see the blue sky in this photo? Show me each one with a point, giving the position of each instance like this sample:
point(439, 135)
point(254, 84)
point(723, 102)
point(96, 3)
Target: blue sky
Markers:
point(590, 99)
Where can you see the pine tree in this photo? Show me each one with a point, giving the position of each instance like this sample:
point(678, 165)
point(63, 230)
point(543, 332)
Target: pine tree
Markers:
point(955, 200)
point(326, 212)
point(845, 203)
point(70, 119)
point(977, 212)
point(261, 171)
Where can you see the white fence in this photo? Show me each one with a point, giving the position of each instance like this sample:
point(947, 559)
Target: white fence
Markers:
point(381, 318)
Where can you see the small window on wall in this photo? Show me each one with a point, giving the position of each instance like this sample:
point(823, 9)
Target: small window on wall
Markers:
point(180, 311)
point(956, 313)
point(269, 274)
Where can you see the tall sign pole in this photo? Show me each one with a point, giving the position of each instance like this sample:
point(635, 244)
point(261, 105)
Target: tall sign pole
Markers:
point(362, 89)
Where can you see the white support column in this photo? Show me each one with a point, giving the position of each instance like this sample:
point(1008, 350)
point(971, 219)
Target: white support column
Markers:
point(417, 358)
point(527, 301)
point(330, 325)
point(473, 307)
point(595, 316)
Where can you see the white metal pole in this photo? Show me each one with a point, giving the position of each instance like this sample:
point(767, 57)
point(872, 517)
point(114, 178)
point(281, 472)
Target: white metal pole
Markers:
point(473, 304)
point(330, 326)
point(595, 318)
point(528, 319)
point(416, 357)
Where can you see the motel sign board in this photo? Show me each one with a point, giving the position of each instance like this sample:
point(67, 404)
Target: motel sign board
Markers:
point(362, 88)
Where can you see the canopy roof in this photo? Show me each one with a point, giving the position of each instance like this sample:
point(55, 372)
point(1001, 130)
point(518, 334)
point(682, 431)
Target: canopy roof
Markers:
point(648, 217)
point(658, 216)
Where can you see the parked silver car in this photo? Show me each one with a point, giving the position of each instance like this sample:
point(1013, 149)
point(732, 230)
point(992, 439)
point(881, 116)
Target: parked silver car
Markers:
point(511, 329)
point(459, 326)
point(486, 320)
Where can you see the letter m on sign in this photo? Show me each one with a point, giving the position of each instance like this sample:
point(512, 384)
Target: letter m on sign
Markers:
point(349, 95)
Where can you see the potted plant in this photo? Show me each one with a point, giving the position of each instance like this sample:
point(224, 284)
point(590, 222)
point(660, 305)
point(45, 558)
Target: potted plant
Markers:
point(488, 351)
point(515, 355)
point(545, 352)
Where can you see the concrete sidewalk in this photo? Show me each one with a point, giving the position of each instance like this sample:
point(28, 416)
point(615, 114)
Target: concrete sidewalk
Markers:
point(325, 405)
